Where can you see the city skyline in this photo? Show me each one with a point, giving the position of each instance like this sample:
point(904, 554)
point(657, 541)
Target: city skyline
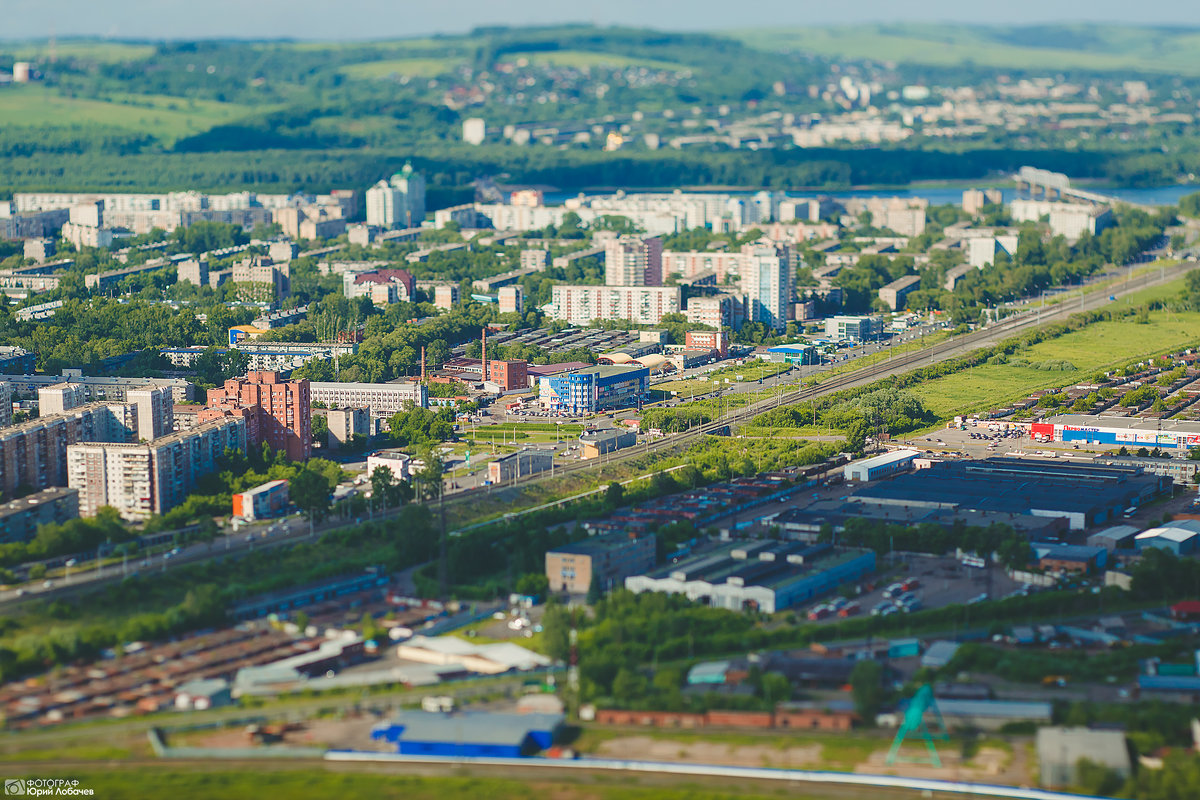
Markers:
point(377, 19)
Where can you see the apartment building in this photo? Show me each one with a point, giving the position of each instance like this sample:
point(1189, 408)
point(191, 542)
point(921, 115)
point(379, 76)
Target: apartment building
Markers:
point(5, 404)
point(96, 389)
point(155, 406)
point(345, 423)
point(34, 454)
point(690, 264)
point(716, 311)
point(398, 202)
point(445, 296)
point(633, 261)
point(642, 305)
point(766, 284)
point(140, 480)
point(511, 300)
point(895, 294)
point(276, 411)
point(271, 356)
point(535, 259)
point(20, 518)
point(263, 278)
point(381, 399)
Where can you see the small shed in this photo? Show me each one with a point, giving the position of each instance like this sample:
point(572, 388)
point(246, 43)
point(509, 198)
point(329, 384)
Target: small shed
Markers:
point(939, 654)
point(200, 695)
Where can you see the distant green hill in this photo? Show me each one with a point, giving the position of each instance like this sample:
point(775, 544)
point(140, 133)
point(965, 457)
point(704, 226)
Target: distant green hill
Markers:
point(1082, 46)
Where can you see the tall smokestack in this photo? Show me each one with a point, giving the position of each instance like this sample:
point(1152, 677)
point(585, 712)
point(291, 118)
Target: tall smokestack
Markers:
point(422, 363)
point(485, 374)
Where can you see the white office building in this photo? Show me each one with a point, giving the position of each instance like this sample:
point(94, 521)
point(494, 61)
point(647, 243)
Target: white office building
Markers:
point(382, 399)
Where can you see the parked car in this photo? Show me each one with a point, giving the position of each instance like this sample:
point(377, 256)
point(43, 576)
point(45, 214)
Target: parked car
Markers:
point(893, 590)
point(849, 610)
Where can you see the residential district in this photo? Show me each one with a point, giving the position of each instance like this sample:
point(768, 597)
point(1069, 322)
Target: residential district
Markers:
point(997, 570)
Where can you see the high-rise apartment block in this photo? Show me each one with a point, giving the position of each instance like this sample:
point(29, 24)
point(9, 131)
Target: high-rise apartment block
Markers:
point(276, 411)
point(445, 296)
point(511, 300)
point(716, 311)
point(633, 261)
point(33, 454)
point(398, 203)
point(5, 404)
point(766, 284)
point(60, 398)
point(155, 406)
point(150, 478)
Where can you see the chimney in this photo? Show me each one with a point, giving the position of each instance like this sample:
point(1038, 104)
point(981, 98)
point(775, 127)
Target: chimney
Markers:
point(484, 354)
point(422, 363)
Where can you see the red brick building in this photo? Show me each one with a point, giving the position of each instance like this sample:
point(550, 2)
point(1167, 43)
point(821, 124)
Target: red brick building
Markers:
point(277, 412)
point(707, 340)
point(787, 715)
point(509, 374)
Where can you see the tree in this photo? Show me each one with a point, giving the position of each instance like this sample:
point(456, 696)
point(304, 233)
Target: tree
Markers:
point(866, 684)
point(556, 631)
point(309, 490)
point(533, 584)
point(776, 688)
point(429, 476)
point(614, 494)
point(595, 590)
point(382, 486)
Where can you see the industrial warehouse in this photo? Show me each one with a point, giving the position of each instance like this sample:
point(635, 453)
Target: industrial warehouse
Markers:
point(766, 576)
point(1083, 494)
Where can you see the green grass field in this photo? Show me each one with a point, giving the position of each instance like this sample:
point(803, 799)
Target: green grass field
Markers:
point(303, 782)
point(410, 67)
point(1058, 47)
point(166, 118)
point(87, 50)
point(1102, 344)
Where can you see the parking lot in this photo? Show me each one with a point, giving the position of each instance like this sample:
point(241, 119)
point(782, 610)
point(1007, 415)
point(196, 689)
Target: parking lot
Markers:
point(943, 581)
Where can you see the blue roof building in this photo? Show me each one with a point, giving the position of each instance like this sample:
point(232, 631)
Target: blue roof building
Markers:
point(470, 734)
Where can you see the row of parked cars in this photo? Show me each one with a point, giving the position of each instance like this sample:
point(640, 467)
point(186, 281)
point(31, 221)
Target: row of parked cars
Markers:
point(899, 598)
point(839, 606)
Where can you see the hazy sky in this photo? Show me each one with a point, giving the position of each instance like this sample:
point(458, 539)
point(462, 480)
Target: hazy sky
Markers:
point(363, 19)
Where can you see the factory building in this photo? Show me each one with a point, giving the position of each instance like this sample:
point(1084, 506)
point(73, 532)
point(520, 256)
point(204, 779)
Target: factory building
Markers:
point(764, 576)
point(608, 560)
